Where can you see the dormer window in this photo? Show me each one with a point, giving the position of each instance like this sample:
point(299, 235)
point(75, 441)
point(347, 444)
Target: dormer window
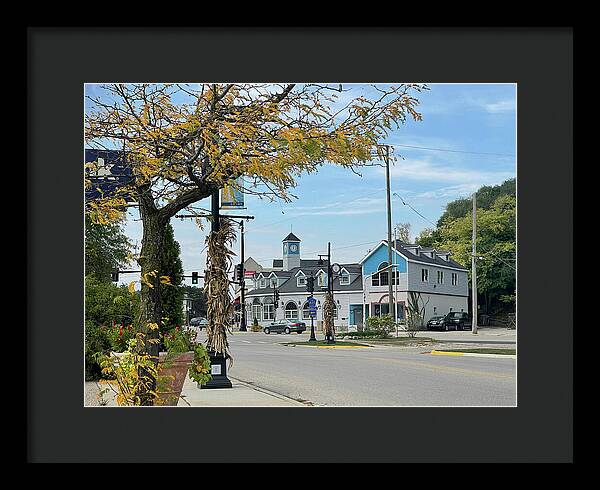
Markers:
point(273, 282)
point(322, 279)
point(263, 283)
point(344, 278)
point(301, 281)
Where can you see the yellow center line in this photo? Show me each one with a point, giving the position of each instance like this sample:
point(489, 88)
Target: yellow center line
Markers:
point(436, 367)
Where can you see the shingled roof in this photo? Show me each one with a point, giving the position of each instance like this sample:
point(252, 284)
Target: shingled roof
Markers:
point(403, 248)
point(291, 237)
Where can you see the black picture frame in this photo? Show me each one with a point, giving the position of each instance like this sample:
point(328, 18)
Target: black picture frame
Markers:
point(61, 429)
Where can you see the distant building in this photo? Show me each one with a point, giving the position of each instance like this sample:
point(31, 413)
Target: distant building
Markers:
point(288, 277)
point(360, 289)
point(441, 282)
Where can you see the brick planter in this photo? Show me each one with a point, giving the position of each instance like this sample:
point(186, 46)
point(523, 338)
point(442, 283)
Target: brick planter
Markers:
point(171, 376)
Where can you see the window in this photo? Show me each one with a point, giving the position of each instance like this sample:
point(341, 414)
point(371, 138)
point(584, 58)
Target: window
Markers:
point(273, 282)
point(425, 275)
point(382, 278)
point(291, 310)
point(440, 277)
point(305, 312)
point(268, 311)
point(256, 309)
point(301, 281)
point(454, 279)
point(263, 283)
point(344, 278)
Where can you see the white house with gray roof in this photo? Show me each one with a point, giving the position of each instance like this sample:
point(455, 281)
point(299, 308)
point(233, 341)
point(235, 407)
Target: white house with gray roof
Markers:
point(440, 282)
point(288, 278)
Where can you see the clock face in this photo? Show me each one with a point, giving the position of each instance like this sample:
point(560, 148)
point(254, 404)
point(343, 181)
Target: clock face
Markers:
point(293, 247)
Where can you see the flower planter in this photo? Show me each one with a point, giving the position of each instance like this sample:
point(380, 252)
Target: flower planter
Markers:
point(171, 376)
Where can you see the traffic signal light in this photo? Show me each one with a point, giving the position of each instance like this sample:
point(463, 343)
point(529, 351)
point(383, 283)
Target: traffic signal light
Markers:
point(276, 296)
point(194, 278)
point(114, 276)
point(239, 272)
point(310, 284)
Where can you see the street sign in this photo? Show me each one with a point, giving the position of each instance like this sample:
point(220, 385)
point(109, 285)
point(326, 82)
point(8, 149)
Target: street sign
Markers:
point(312, 307)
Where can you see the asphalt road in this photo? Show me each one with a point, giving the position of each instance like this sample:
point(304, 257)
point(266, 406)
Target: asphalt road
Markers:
point(374, 376)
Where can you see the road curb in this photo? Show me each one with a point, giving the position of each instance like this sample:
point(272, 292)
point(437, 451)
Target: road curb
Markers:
point(269, 392)
point(471, 354)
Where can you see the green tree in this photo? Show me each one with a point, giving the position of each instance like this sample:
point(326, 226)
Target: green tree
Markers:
point(197, 302)
point(171, 294)
point(496, 245)
point(486, 196)
point(107, 248)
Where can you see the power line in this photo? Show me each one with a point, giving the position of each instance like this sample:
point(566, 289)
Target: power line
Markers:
point(406, 204)
point(453, 151)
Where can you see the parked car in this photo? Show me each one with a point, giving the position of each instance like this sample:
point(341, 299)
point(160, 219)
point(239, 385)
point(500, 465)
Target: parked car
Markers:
point(198, 322)
point(436, 323)
point(285, 326)
point(457, 320)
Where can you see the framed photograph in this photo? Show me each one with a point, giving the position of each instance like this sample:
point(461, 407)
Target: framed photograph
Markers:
point(305, 255)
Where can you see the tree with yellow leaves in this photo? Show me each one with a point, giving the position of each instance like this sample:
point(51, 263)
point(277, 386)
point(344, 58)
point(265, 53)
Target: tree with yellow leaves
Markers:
point(184, 142)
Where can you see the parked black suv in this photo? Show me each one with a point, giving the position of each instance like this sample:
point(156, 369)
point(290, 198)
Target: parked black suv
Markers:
point(457, 320)
point(436, 323)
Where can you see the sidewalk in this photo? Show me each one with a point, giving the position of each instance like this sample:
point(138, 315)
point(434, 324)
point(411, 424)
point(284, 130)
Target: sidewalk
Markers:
point(240, 395)
point(484, 335)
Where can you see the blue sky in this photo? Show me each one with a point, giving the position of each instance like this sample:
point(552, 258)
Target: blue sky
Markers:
point(476, 122)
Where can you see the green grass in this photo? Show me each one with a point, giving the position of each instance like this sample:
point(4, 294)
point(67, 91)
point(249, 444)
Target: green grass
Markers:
point(324, 343)
point(401, 340)
point(482, 350)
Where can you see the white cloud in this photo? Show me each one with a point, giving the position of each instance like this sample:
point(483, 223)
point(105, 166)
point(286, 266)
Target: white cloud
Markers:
point(426, 170)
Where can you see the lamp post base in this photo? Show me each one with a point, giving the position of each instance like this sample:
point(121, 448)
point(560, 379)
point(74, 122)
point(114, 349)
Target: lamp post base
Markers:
point(218, 371)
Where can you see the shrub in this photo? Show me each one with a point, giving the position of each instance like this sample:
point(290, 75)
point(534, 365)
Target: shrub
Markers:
point(95, 341)
point(179, 340)
point(125, 368)
point(255, 326)
point(382, 325)
point(200, 368)
point(119, 335)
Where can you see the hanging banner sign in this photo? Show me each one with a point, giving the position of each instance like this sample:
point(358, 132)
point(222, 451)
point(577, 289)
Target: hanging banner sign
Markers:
point(232, 197)
point(108, 174)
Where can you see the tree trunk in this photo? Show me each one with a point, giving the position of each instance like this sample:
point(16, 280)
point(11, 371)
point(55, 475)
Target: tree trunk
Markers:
point(154, 227)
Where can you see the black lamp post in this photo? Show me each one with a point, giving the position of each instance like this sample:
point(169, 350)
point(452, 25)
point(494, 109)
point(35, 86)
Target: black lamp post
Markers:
point(329, 337)
point(310, 287)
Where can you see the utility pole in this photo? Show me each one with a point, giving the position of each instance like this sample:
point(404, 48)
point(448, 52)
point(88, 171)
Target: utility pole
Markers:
point(242, 284)
point(386, 155)
point(396, 276)
point(474, 268)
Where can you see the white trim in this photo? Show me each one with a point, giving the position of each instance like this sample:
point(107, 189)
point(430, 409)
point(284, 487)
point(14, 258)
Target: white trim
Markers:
point(300, 272)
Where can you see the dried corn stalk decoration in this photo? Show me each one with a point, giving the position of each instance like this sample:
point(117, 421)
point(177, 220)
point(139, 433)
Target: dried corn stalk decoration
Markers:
point(216, 287)
point(328, 306)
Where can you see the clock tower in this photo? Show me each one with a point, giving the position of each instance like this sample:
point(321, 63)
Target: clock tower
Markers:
point(291, 252)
